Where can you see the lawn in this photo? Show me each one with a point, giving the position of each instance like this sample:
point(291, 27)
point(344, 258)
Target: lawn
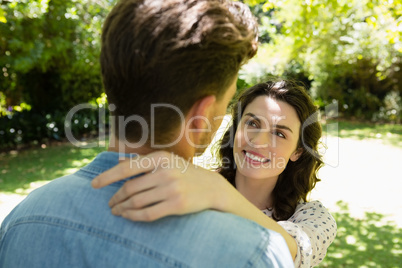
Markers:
point(20, 170)
point(369, 240)
point(390, 134)
point(364, 242)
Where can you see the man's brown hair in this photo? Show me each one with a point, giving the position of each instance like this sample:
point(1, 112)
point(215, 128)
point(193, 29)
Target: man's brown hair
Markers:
point(171, 51)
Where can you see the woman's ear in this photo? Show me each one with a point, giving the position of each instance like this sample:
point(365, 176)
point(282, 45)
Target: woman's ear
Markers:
point(296, 154)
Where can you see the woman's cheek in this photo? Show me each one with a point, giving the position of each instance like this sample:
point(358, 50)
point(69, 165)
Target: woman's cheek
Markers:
point(238, 140)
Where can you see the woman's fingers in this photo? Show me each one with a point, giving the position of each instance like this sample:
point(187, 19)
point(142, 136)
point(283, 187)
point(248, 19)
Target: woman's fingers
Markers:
point(133, 166)
point(167, 186)
point(116, 173)
point(164, 190)
point(139, 201)
point(137, 185)
point(162, 209)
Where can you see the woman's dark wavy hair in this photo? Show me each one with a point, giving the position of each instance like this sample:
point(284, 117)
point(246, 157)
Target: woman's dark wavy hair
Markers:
point(299, 177)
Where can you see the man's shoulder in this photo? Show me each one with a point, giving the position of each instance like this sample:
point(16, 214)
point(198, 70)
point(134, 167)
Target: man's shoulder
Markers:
point(69, 205)
point(58, 189)
point(55, 198)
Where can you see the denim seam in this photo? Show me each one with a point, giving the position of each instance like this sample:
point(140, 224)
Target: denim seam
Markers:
point(86, 174)
point(100, 234)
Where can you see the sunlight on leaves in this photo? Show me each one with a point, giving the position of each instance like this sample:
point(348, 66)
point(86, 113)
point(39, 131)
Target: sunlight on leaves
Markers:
point(2, 17)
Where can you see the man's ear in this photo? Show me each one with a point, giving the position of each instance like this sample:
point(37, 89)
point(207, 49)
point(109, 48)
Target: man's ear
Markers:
point(296, 155)
point(200, 112)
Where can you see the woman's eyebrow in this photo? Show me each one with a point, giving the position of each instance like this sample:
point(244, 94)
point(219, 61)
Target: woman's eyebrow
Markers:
point(275, 125)
point(253, 116)
point(284, 127)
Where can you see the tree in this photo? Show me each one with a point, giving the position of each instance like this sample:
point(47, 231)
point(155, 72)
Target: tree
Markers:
point(49, 52)
point(349, 49)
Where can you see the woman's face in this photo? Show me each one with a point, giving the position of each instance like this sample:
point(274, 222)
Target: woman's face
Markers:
point(266, 138)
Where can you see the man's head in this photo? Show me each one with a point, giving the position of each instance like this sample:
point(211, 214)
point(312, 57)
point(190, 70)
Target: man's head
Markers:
point(173, 52)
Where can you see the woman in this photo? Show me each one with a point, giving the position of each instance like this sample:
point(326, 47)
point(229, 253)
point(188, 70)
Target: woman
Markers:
point(270, 164)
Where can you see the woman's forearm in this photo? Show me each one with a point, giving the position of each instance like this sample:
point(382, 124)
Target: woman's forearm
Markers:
point(232, 201)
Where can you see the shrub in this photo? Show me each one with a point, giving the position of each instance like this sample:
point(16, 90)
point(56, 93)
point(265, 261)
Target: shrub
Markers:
point(24, 128)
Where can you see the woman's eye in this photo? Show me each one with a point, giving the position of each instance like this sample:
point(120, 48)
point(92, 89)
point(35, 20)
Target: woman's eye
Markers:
point(251, 123)
point(279, 134)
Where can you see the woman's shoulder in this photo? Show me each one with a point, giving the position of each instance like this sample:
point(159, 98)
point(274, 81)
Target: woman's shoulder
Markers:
point(308, 210)
point(302, 205)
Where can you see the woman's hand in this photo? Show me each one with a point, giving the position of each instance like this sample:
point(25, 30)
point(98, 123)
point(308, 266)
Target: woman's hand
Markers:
point(173, 186)
point(170, 186)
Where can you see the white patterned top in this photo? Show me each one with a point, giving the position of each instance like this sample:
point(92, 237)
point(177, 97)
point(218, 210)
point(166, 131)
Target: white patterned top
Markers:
point(313, 228)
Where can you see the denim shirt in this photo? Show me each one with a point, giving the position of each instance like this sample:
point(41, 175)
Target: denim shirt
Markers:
point(67, 223)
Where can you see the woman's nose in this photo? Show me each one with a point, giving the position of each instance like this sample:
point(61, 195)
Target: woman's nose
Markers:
point(260, 139)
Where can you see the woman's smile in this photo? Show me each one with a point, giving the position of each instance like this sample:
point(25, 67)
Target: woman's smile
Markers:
point(255, 158)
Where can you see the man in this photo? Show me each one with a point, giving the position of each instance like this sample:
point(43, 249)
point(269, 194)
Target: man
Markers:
point(167, 65)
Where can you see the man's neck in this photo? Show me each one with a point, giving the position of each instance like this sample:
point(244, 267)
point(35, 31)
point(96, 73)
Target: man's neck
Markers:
point(116, 145)
point(127, 150)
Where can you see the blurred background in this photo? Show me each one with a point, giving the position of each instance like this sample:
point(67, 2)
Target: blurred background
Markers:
point(348, 53)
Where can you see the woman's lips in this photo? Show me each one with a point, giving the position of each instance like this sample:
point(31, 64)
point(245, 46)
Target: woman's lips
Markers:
point(255, 157)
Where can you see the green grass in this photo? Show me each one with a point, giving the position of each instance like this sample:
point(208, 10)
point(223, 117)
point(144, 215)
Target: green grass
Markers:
point(389, 134)
point(19, 170)
point(364, 242)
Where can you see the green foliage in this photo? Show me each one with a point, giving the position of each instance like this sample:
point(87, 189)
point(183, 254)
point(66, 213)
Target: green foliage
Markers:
point(2, 17)
point(19, 129)
point(350, 51)
point(344, 50)
point(49, 52)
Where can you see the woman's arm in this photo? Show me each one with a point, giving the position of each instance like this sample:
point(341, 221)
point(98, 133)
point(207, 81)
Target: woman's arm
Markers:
point(169, 185)
point(234, 202)
point(314, 229)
